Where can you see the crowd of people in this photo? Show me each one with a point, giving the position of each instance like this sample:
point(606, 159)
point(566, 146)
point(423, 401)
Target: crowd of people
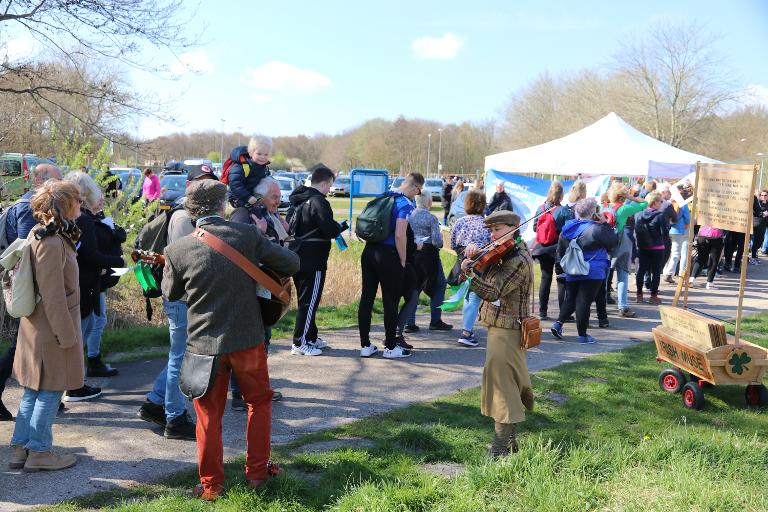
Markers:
point(218, 340)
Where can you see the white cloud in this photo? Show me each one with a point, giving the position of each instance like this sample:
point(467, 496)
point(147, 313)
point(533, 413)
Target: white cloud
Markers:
point(442, 48)
point(756, 93)
point(16, 49)
point(279, 76)
point(192, 62)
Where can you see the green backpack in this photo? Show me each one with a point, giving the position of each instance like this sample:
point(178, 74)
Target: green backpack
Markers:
point(373, 224)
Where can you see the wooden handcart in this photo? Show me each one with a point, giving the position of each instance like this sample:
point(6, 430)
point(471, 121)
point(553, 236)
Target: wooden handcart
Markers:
point(693, 342)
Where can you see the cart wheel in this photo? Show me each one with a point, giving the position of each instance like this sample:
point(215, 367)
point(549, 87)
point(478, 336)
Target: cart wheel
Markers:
point(756, 395)
point(671, 380)
point(693, 396)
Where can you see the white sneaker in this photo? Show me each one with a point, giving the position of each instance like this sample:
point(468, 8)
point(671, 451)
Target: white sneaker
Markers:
point(305, 350)
point(368, 351)
point(319, 343)
point(692, 282)
point(711, 286)
point(396, 353)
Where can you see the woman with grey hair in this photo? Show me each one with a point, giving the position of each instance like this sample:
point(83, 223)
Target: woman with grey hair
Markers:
point(595, 237)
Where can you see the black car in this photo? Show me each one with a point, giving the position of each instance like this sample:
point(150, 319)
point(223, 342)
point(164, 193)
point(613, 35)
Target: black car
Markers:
point(172, 187)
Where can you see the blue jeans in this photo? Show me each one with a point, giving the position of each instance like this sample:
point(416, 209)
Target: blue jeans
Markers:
point(470, 310)
point(97, 322)
point(86, 327)
point(765, 241)
point(622, 285)
point(34, 421)
point(233, 380)
point(165, 390)
point(435, 314)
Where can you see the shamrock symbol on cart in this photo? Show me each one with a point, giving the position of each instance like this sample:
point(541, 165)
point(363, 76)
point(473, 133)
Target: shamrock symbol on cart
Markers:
point(739, 362)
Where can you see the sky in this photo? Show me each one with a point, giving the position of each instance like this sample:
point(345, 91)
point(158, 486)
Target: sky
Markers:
point(300, 67)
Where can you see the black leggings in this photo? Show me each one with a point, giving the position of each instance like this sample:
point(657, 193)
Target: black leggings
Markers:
point(380, 265)
point(578, 299)
point(652, 262)
point(547, 265)
point(757, 239)
point(733, 247)
point(708, 252)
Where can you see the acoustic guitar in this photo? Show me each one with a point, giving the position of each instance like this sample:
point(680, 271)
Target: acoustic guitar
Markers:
point(272, 309)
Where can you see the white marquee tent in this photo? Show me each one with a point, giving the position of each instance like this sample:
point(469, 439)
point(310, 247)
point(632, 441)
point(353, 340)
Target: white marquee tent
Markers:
point(609, 146)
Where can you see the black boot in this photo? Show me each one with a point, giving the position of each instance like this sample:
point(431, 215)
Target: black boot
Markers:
point(96, 368)
point(5, 414)
point(181, 427)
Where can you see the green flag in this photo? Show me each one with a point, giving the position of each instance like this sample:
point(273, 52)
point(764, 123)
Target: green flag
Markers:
point(456, 299)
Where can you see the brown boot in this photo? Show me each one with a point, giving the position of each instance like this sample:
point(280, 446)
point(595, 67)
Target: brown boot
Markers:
point(18, 457)
point(504, 440)
point(639, 297)
point(48, 461)
point(512, 440)
point(654, 299)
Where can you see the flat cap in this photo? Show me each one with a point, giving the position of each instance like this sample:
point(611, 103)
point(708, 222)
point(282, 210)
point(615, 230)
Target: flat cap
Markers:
point(503, 217)
point(205, 197)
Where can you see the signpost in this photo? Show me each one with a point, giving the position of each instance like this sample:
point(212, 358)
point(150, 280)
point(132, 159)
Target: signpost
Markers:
point(366, 183)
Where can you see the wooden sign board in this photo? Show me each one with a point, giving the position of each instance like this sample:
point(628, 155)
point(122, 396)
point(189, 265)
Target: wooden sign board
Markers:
point(684, 356)
point(697, 330)
point(724, 198)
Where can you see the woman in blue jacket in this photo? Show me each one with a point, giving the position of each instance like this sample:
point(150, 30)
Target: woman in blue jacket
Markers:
point(595, 237)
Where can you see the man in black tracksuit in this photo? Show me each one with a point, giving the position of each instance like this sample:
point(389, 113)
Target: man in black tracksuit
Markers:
point(313, 229)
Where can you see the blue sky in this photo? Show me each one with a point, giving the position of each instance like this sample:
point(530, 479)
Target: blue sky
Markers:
point(341, 63)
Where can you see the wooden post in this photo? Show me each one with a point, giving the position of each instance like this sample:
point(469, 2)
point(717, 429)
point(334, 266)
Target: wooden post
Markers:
point(745, 256)
point(688, 257)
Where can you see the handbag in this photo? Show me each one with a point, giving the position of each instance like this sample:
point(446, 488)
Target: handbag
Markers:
point(530, 326)
point(572, 261)
point(455, 274)
point(274, 307)
point(17, 280)
point(198, 374)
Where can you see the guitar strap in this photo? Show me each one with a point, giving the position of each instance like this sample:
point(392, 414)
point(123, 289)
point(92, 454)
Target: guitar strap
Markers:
point(246, 265)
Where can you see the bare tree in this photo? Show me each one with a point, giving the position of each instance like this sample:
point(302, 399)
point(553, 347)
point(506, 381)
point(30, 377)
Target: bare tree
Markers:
point(676, 81)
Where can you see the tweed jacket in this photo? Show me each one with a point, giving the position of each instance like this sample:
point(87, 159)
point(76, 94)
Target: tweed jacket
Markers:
point(506, 290)
point(49, 352)
point(223, 314)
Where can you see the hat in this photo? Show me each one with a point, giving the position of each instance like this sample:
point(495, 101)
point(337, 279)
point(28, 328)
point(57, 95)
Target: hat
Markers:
point(205, 197)
point(502, 217)
point(203, 171)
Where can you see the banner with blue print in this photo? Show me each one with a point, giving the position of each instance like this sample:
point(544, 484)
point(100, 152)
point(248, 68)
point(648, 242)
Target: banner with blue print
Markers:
point(528, 193)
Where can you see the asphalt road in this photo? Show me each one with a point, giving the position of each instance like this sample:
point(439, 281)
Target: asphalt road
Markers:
point(117, 449)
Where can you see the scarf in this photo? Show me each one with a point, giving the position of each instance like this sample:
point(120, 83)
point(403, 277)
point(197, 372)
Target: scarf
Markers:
point(55, 226)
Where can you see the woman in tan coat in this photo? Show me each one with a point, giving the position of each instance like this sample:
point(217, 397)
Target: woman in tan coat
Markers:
point(505, 289)
point(49, 354)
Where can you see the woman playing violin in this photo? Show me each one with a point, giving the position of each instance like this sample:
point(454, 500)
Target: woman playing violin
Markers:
point(505, 288)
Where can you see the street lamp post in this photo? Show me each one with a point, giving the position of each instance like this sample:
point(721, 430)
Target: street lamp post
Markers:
point(239, 128)
point(439, 152)
point(221, 154)
point(429, 150)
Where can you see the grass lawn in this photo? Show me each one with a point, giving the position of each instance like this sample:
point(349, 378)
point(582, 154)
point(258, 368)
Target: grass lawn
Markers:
point(602, 437)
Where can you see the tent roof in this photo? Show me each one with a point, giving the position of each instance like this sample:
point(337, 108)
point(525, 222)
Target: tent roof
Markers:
point(609, 146)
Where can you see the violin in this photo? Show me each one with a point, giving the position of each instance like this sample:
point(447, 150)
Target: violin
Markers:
point(494, 252)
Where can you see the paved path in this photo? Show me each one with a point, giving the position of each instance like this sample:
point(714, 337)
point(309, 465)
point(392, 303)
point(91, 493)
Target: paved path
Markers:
point(116, 449)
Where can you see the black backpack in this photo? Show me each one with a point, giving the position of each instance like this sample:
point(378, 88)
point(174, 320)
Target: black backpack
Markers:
point(373, 223)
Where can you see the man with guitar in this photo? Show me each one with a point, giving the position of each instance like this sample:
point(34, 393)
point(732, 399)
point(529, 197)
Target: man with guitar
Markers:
point(217, 269)
point(505, 288)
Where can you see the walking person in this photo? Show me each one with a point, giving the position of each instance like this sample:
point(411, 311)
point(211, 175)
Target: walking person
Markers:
point(470, 230)
point(548, 227)
point(49, 352)
point(445, 198)
point(384, 263)
point(596, 238)
point(18, 223)
point(733, 251)
point(759, 223)
point(709, 247)
point(429, 268)
point(165, 405)
point(314, 228)
point(651, 227)
point(226, 331)
point(678, 234)
point(150, 187)
point(505, 289)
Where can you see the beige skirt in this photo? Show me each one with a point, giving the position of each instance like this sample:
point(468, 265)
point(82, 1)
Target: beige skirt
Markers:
point(506, 382)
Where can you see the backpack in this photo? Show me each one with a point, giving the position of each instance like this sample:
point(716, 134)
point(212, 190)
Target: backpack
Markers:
point(4, 243)
point(572, 261)
point(154, 237)
point(642, 232)
point(17, 280)
point(228, 165)
point(546, 229)
point(373, 223)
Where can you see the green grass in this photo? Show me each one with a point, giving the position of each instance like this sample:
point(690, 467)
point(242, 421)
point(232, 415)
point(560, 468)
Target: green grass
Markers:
point(616, 443)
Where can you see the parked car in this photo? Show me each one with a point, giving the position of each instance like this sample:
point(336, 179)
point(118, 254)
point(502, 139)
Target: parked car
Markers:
point(435, 187)
point(286, 187)
point(341, 186)
point(196, 163)
point(131, 179)
point(172, 187)
point(395, 184)
point(15, 172)
point(457, 208)
point(302, 176)
point(289, 175)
